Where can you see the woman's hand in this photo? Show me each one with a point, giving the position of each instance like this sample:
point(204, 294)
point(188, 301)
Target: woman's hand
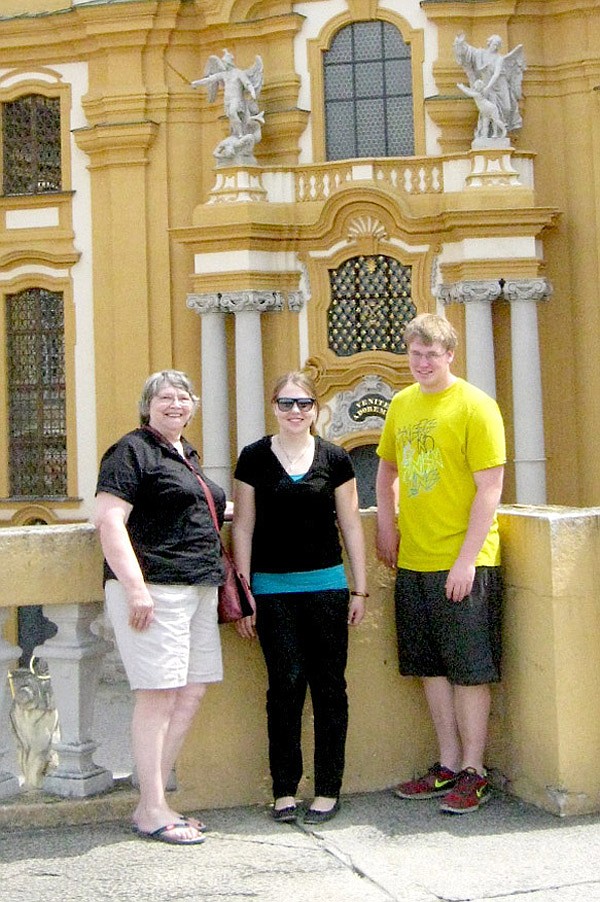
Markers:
point(141, 610)
point(246, 627)
point(356, 610)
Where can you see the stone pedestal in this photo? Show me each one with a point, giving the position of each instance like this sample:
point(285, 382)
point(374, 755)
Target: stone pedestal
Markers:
point(74, 660)
point(238, 186)
point(491, 164)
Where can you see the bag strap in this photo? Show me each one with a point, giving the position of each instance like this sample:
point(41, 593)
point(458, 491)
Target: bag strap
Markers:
point(207, 492)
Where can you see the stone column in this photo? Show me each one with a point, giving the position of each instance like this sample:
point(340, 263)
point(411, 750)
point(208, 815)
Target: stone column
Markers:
point(216, 448)
point(249, 371)
point(9, 654)
point(74, 656)
point(477, 296)
point(530, 455)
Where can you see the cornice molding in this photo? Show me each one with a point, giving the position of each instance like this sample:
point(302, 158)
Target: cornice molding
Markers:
point(117, 143)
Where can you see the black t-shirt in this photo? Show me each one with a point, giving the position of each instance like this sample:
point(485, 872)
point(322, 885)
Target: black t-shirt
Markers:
point(170, 526)
point(296, 525)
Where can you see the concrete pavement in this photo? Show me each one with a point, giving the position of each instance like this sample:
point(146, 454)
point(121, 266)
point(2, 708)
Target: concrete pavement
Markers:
point(378, 849)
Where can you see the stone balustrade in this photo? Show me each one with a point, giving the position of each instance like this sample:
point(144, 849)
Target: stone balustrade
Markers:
point(544, 730)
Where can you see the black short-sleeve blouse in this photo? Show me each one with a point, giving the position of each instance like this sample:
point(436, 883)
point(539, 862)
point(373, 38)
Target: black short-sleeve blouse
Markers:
point(170, 526)
point(296, 525)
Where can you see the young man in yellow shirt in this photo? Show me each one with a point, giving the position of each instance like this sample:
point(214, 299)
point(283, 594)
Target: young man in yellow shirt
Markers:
point(442, 455)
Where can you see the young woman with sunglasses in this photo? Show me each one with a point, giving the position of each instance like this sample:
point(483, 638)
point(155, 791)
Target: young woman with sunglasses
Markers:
point(294, 494)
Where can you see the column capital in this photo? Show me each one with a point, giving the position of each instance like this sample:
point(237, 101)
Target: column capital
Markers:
point(470, 291)
point(296, 301)
point(527, 290)
point(203, 303)
point(235, 301)
point(260, 301)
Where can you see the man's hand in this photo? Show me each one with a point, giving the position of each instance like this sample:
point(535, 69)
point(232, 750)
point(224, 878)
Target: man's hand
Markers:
point(460, 581)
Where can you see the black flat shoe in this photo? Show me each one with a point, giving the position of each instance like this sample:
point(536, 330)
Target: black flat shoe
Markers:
point(313, 816)
point(285, 815)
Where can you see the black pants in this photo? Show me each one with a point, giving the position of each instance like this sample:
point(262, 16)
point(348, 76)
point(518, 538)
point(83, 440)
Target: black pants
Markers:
point(304, 638)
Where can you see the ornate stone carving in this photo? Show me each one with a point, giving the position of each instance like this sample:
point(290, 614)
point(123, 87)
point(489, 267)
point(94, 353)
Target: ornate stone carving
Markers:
point(261, 301)
point(467, 291)
point(366, 227)
point(495, 82)
point(527, 290)
point(297, 299)
point(203, 303)
point(488, 290)
point(360, 409)
point(235, 301)
point(241, 88)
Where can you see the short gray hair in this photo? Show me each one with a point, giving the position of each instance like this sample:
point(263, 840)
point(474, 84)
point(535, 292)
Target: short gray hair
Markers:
point(155, 384)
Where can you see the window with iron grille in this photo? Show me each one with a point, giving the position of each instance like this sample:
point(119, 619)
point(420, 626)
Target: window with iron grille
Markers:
point(36, 394)
point(370, 305)
point(368, 93)
point(31, 145)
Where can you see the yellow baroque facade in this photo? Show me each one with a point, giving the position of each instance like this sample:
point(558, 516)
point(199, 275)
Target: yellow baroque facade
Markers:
point(156, 256)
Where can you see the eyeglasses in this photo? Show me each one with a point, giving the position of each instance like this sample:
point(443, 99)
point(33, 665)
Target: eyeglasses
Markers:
point(171, 399)
point(287, 404)
point(428, 355)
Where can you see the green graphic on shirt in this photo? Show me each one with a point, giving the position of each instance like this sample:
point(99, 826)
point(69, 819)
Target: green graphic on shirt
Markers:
point(421, 460)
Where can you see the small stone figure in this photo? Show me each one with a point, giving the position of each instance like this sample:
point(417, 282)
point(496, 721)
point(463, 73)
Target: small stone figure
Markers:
point(501, 76)
point(34, 719)
point(241, 88)
point(490, 124)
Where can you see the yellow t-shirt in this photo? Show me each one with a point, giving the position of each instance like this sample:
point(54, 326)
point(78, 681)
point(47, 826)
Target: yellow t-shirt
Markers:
point(438, 441)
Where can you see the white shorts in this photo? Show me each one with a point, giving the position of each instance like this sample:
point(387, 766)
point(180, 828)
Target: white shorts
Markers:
point(182, 644)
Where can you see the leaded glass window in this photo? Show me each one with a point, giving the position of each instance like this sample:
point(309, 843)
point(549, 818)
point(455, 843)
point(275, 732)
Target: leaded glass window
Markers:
point(370, 305)
point(368, 93)
point(31, 145)
point(36, 394)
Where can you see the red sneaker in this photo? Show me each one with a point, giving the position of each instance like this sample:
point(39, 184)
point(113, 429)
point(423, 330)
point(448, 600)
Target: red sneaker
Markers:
point(436, 782)
point(470, 791)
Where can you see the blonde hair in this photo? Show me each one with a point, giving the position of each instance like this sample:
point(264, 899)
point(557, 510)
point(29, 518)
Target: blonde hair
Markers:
point(301, 380)
point(429, 328)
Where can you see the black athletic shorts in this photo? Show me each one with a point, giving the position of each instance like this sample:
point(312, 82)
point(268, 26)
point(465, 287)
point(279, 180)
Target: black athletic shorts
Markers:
point(460, 640)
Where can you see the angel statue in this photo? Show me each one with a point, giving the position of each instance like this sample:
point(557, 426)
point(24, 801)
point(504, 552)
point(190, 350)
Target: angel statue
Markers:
point(241, 88)
point(500, 77)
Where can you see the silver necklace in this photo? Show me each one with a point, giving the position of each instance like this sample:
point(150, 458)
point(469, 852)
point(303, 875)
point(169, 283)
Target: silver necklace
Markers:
point(293, 461)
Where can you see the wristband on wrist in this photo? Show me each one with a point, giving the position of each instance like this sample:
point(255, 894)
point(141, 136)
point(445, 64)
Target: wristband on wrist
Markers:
point(360, 594)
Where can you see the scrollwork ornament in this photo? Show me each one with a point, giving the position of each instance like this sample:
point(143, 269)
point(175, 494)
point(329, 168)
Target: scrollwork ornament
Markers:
point(260, 301)
point(477, 291)
point(315, 368)
point(296, 301)
point(204, 303)
point(534, 290)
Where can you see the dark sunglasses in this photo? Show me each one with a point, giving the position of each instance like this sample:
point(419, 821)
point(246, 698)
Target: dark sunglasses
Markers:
point(303, 404)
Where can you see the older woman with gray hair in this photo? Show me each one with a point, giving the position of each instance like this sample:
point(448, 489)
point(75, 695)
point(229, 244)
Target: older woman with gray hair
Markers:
point(161, 572)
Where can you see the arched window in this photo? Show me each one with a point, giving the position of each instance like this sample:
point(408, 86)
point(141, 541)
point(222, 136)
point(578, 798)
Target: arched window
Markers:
point(368, 93)
point(36, 394)
point(31, 150)
point(370, 305)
